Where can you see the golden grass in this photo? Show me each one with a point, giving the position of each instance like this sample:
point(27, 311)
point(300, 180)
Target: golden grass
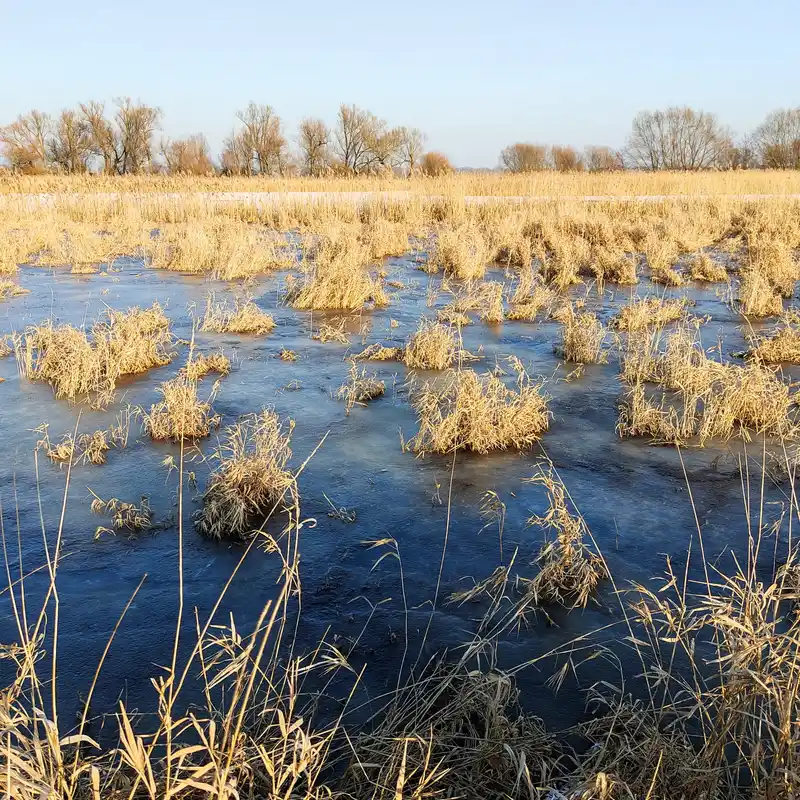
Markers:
point(9, 289)
point(705, 398)
point(359, 388)
point(568, 571)
point(250, 479)
point(460, 252)
point(88, 448)
point(783, 345)
point(241, 316)
point(180, 414)
point(333, 331)
point(757, 296)
point(432, 346)
point(703, 268)
point(467, 411)
point(648, 312)
point(124, 516)
point(582, 338)
point(77, 364)
point(199, 365)
point(336, 276)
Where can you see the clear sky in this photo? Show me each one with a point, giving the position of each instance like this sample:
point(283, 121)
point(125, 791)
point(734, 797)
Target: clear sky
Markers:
point(474, 75)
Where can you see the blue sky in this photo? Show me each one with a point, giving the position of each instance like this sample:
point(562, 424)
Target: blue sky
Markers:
point(474, 75)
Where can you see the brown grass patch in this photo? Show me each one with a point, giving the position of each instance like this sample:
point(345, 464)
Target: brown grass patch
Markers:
point(757, 297)
point(199, 365)
point(648, 312)
point(461, 253)
point(9, 289)
point(332, 332)
point(432, 346)
point(124, 516)
point(241, 316)
point(582, 338)
point(79, 365)
point(250, 479)
point(467, 411)
point(180, 414)
point(783, 345)
point(703, 268)
point(569, 572)
point(360, 388)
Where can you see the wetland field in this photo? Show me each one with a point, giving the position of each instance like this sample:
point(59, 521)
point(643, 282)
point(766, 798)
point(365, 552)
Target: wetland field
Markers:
point(383, 493)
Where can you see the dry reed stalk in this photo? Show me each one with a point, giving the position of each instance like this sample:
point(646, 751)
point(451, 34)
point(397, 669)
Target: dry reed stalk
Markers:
point(334, 331)
point(9, 289)
point(242, 316)
point(432, 346)
point(757, 297)
point(126, 516)
point(199, 365)
point(360, 388)
point(250, 478)
point(451, 316)
point(467, 411)
point(461, 253)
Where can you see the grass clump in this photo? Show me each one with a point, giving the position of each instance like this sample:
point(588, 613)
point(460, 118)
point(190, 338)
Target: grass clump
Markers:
point(76, 364)
point(432, 346)
point(241, 316)
point(377, 352)
point(757, 296)
point(467, 411)
point(451, 316)
point(337, 278)
point(582, 338)
point(784, 343)
point(199, 365)
point(461, 252)
point(332, 332)
point(124, 516)
point(9, 289)
point(703, 397)
point(649, 312)
point(180, 414)
point(569, 572)
point(250, 479)
point(703, 268)
point(531, 298)
point(360, 388)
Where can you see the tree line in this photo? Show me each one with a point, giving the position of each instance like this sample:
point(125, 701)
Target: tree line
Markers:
point(124, 139)
point(676, 138)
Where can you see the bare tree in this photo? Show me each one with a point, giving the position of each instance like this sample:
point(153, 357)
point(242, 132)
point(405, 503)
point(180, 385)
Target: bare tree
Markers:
point(262, 137)
point(435, 165)
point(313, 139)
point(189, 156)
point(70, 146)
point(412, 142)
point(603, 159)
point(525, 157)
point(25, 142)
point(677, 138)
point(740, 155)
point(384, 147)
point(362, 141)
point(126, 143)
point(777, 139)
point(567, 159)
point(236, 158)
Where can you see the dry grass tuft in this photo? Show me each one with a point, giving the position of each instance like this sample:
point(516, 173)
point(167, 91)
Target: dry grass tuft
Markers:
point(287, 355)
point(336, 277)
point(10, 289)
point(582, 338)
point(757, 297)
point(360, 388)
point(649, 312)
point(531, 298)
point(76, 364)
point(377, 352)
point(180, 414)
point(450, 316)
point(703, 268)
point(432, 346)
point(332, 332)
point(243, 316)
point(250, 479)
point(467, 411)
point(704, 397)
point(569, 572)
point(199, 365)
point(127, 516)
point(461, 252)
point(783, 346)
